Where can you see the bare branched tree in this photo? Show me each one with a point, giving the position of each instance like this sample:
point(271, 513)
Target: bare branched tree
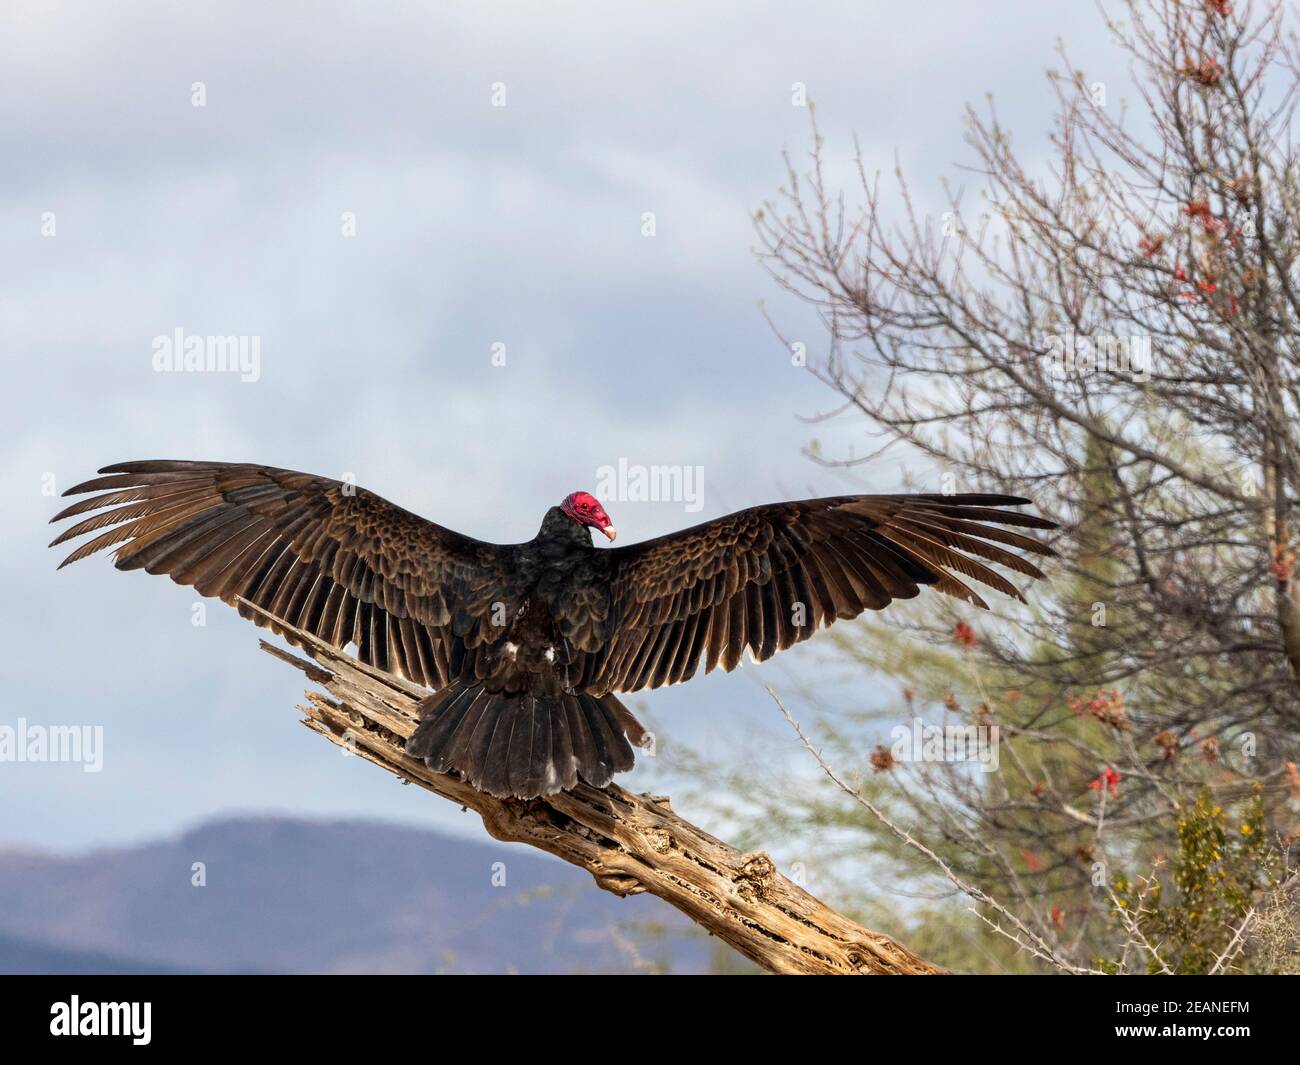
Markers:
point(1117, 335)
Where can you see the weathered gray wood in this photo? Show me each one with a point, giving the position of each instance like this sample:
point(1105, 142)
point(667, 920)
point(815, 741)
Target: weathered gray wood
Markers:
point(629, 843)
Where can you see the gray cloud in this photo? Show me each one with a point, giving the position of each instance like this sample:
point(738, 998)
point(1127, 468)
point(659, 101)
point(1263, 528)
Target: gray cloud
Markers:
point(474, 225)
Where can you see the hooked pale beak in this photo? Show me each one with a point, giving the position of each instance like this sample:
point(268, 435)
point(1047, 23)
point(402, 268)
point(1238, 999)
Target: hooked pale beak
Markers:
point(610, 531)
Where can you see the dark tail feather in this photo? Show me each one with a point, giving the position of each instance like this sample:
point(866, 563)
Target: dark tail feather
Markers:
point(525, 745)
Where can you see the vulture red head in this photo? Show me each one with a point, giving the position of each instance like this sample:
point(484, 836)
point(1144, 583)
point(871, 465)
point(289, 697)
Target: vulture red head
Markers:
point(583, 508)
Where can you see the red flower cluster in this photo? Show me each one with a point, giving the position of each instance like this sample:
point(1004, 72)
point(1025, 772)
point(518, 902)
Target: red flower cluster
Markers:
point(1150, 247)
point(1283, 563)
point(1204, 289)
point(1293, 779)
point(1168, 743)
point(964, 635)
point(1181, 275)
point(1035, 863)
point(1106, 706)
point(1207, 72)
point(1200, 210)
point(1109, 780)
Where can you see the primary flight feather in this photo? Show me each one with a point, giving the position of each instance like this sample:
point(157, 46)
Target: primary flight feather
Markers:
point(524, 645)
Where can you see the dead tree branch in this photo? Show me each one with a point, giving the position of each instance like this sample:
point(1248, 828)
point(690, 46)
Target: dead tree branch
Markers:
point(629, 843)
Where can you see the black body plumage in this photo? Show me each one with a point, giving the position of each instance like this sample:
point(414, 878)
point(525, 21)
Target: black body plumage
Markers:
point(523, 729)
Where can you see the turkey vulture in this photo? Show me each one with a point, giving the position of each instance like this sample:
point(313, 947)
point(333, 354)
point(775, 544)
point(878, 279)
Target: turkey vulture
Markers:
point(524, 645)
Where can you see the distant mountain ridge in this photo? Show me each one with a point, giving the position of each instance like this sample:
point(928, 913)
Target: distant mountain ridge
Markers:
point(288, 895)
point(18, 957)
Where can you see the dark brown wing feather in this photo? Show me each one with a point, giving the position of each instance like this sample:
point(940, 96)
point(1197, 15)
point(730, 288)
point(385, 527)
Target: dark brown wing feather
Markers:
point(330, 558)
point(769, 577)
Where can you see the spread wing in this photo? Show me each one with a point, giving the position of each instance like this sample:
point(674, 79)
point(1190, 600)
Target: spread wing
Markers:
point(771, 576)
point(328, 557)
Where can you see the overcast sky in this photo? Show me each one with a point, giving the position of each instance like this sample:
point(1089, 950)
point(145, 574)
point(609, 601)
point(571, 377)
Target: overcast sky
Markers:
point(475, 225)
